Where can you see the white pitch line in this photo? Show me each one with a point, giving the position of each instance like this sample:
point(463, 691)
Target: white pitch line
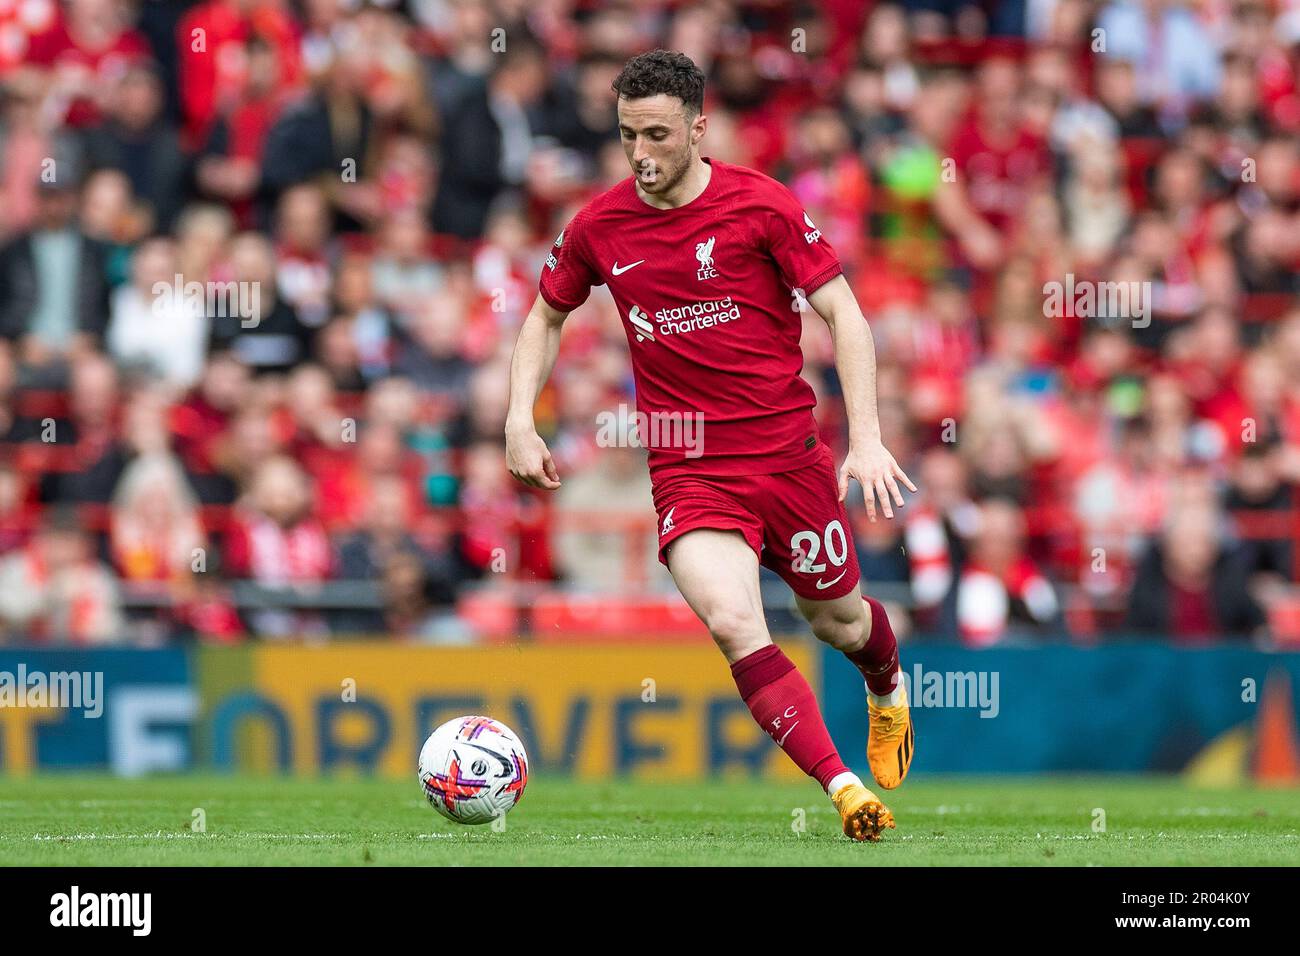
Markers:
point(160, 835)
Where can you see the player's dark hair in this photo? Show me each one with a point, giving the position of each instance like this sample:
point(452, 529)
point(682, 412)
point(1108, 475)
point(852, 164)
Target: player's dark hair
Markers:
point(663, 71)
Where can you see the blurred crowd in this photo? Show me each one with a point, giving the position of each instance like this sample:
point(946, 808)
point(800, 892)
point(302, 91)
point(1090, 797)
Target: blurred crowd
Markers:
point(389, 176)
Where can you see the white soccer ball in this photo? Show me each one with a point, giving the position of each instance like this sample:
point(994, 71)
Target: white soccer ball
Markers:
point(473, 769)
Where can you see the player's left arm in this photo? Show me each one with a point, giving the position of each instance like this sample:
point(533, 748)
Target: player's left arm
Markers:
point(855, 361)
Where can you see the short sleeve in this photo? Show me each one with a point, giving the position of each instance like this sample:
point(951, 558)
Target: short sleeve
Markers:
point(802, 254)
point(567, 276)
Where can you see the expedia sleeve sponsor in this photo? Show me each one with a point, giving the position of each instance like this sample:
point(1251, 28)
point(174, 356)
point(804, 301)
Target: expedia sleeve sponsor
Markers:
point(567, 278)
point(802, 254)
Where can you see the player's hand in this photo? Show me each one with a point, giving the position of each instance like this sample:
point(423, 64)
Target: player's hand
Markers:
point(878, 473)
point(530, 460)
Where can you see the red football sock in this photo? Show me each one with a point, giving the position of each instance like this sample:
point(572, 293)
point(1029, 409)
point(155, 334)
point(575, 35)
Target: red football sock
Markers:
point(784, 706)
point(878, 658)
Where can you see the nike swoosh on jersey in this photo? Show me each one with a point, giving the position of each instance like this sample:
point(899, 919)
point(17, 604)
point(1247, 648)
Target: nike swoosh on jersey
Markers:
point(823, 587)
point(618, 272)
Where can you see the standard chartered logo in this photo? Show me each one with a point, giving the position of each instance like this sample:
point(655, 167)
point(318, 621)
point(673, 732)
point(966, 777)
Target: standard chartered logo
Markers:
point(644, 330)
point(683, 318)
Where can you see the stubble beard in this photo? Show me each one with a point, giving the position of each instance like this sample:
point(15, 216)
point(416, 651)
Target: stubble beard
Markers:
point(662, 186)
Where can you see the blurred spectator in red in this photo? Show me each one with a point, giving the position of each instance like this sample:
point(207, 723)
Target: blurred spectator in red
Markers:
point(19, 23)
point(1001, 592)
point(87, 51)
point(504, 530)
point(228, 168)
point(14, 531)
point(55, 591)
point(250, 441)
point(830, 181)
point(1189, 587)
point(304, 259)
point(502, 275)
point(405, 177)
point(1118, 502)
point(155, 531)
point(31, 152)
point(380, 453)
point(203, 609)
point(215, 68)
point(312, 420)
point(274, 540)
point(201, 421)
point(942, 342)
point(1256, 406)
point(998, 162)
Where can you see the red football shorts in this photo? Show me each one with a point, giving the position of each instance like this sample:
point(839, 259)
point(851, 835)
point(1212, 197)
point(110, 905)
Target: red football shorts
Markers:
point(794, 521)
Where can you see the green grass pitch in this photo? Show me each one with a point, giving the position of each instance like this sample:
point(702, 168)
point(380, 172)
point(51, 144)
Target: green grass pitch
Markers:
point(250, 821)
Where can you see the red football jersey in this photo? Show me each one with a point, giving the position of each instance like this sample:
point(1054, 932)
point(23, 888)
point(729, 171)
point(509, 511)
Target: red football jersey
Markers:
point(707, 293)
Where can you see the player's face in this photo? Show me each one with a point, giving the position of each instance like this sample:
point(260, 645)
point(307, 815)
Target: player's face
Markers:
point(659, 140)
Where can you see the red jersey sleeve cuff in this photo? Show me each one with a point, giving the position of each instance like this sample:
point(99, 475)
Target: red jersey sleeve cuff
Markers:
point(555, 303)
point(819, 279)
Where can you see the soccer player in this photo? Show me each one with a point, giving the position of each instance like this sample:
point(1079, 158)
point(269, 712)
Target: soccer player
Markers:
point(710, 265)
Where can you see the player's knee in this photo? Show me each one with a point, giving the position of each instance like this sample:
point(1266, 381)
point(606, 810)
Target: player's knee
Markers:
point(735, 628)
point(840, 630)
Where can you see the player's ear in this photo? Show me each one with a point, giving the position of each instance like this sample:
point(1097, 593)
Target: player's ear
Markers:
point(698, 127)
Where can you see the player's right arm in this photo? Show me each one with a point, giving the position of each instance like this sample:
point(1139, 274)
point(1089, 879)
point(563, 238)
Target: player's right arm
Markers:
point(565, 283)
point(536, 349)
